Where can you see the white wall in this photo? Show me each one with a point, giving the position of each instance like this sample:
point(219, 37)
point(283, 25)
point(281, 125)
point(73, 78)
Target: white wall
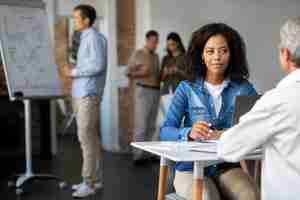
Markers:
point(110, 108)
point(65, 7)
point(258, 21)
point(143, 20)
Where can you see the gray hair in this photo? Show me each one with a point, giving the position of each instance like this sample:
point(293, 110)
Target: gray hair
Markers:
point(290, 38)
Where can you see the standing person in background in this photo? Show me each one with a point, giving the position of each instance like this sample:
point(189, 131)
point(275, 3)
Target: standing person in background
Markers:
point(143, 69)
point(173, 64)
point(88, 81)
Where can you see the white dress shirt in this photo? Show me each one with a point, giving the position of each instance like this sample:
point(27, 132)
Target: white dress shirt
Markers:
point(273, 124)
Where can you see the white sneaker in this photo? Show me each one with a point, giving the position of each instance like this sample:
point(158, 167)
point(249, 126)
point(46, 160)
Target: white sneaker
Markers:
point(97, 186)
point(83, 191)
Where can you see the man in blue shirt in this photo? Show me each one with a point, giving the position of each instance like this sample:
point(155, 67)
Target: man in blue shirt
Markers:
point(88, 81)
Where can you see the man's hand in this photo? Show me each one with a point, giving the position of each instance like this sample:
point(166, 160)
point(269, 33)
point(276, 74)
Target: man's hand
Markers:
point(68, 70)
point(132, 69)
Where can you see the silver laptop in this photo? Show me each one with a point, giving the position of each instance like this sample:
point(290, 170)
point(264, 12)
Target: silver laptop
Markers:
point(243, 104)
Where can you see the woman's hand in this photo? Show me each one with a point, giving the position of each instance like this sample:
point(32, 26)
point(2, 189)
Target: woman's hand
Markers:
point(202, 131)
point(169, 70)
point(216, 135)
point(173, 69)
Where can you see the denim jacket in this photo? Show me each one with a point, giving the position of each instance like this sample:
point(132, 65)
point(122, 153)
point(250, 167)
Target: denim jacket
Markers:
point(192, 102)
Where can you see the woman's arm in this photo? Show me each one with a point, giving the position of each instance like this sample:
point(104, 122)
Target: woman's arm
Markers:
point(248, 89)
point(171, 129)
point(164, 69)
point(181, 69)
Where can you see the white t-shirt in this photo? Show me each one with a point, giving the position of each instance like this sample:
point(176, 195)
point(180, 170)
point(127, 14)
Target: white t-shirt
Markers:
point(216, 91)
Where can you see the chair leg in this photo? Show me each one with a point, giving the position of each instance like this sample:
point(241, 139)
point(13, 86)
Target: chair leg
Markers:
point(257, 172)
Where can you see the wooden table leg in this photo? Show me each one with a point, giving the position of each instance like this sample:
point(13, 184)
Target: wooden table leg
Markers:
point(162, 179)
point(198, 181)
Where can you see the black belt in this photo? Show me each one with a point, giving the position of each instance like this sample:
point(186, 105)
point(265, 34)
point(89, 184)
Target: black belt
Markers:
point(148, 86)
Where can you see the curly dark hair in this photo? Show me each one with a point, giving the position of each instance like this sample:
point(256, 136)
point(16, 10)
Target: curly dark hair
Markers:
point(237, 69)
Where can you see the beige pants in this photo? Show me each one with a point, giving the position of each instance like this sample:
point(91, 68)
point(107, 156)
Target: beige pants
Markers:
point(233, 184)
point(88, 130)
point(183, 184)
point(145, 114)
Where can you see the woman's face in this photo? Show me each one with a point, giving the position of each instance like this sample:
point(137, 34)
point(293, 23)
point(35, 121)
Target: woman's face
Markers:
point(172, 45)
point(216, 55)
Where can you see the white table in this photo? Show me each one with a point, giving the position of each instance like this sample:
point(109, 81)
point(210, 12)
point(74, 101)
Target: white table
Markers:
point(181, 152)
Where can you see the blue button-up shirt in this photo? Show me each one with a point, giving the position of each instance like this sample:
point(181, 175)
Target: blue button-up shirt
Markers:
point(192, 102)
point(89, 73)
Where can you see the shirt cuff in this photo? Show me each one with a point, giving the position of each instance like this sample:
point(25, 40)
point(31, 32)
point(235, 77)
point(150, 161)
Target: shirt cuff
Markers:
point(184, 134)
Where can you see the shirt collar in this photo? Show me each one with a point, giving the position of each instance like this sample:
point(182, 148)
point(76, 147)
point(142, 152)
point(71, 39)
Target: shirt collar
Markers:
point(293, 77)
point(200, 83)
point(86, 32)
point(148, 50)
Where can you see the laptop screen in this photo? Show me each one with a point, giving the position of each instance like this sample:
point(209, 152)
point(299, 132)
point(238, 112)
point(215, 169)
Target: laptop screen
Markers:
point(243, 104)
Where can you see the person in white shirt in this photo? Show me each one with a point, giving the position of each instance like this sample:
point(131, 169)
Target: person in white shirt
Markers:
point(274, 124)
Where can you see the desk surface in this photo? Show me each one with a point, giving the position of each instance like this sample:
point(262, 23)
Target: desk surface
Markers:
point(182, 151)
